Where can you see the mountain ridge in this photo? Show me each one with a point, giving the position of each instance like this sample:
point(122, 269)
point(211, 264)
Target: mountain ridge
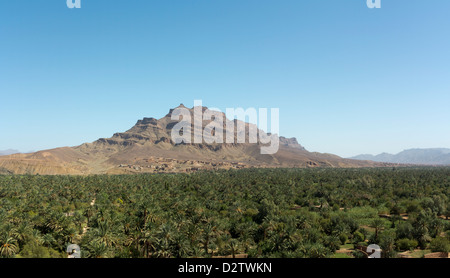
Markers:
point(147, 147)
point(418, 156)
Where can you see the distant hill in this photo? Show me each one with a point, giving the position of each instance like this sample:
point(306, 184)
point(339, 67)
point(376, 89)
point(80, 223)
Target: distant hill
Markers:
point(437, 156)
point(8, 152)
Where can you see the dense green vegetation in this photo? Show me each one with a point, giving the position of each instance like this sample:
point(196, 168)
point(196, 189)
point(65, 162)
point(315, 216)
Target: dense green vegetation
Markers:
point(259, 212)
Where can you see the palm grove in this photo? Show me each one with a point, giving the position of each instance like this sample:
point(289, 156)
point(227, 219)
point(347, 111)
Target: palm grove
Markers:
point(299, 213)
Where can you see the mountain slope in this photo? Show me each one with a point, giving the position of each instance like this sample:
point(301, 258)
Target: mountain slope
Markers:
point(148, 147)
point(437, 156)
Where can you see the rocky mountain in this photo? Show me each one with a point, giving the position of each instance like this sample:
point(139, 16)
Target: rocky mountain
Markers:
point(147, 147)
point(437, 156)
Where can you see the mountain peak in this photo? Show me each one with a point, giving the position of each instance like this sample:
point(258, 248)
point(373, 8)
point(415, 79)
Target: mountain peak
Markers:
point(8, 152)
point(291, 142)
point(172, 109)
point(147, 121)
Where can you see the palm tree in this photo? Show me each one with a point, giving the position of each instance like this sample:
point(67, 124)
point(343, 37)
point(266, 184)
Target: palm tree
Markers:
point(133, 240)
point(56, 222)
point(8, 246)
point(97, 249)
point(192, 232)
point(315, 250)
point(208, 232)
point(421, 232)
point(8, 229)
point(48, 240)
point(104, 233)
point(79, 219)
point(36, 235)
point(378, 225)
point(196, 252)
point(165, 236)
point(181, 246)
point(22, 232)
point(89, 212)
point(396, 218)
point(69, 234)
point(233, 247)
point(149, 240)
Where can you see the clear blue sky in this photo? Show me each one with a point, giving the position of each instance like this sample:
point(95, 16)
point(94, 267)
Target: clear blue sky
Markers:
point(347, 79)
